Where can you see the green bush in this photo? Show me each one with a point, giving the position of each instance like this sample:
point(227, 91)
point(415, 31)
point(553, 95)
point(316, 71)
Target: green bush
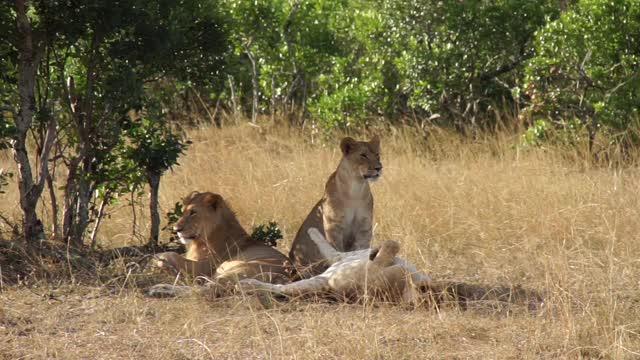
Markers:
point(587, 66)
point(268, 234)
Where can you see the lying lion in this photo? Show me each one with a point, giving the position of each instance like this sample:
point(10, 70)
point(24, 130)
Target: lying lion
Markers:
point(218, 247)
point(374, 273)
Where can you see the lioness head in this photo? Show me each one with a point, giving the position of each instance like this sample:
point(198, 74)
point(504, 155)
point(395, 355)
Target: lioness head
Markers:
point(363, 156)
point(202, 212)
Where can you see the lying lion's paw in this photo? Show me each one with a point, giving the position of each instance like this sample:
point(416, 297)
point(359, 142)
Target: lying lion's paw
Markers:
point(253, 287)
point(214, 290)
point(248, 285)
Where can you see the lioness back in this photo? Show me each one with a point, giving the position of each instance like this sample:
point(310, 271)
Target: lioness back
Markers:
point(344, 215)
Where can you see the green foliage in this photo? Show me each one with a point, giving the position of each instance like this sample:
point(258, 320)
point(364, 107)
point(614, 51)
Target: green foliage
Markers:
point(588, 65)
point(118, 55)
point(7, 131)
point(268, 234)
point(545, 130)
point(457, 58)
point(172, 217)
point(8, 76)
point(536, 132)
point(349, 89)
point(8, 55)
point(154, 147)
point(174, 214)
point(348, 61)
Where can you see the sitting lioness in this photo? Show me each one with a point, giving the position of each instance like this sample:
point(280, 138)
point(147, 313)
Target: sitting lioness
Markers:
point(344, 215)
point(353, 275)
point(218, 246)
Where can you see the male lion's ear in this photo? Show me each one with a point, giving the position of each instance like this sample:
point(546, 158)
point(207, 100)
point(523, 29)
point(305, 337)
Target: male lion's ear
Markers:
point(375, 142)
point(189, 197)
point(347, 145)
point(213, 200)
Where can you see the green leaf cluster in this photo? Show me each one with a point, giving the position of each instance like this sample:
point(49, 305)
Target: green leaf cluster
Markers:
point(587, 65)
point(269, 234)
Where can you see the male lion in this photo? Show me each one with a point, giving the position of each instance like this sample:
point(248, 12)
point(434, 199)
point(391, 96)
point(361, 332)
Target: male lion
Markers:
point(344, 215)
point(371, 272)
point(218, 246)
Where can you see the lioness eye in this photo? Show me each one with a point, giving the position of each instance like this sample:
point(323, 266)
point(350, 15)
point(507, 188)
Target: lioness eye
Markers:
point(364, 156)
point(192, 213)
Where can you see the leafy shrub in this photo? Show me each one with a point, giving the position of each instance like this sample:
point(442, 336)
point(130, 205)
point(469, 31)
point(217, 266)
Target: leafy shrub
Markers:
point(268, 234)
point(587, 66)
point(172, 217)
point(536, 132)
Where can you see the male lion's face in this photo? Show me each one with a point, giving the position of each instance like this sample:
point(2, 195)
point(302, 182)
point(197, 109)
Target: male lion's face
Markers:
point(201, 213)
point(363, 156)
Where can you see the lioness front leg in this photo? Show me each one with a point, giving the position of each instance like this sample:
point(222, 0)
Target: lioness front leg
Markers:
point(315, 285)
point(174, 262)
point(334, 232)
point(363, 236)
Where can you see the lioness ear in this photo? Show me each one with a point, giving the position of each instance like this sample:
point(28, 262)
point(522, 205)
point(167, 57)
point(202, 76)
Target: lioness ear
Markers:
point(189, 197)
point(213, 200)
point(347, 145)
point(375, 142)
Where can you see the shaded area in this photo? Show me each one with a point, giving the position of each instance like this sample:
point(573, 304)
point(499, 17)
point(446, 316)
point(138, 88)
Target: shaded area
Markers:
point(479, 296)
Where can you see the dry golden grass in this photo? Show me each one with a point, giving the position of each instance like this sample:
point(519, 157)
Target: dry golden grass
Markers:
point(484, 212)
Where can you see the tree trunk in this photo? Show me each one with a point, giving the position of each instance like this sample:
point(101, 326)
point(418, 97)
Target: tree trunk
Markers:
point(55, 225)
point(87, 133)
point(79, 228)
point(297, 80)
point(78, 191)
point(30, 189)
point(75, 217)
point(154, 186)
point(592, 129)
point(99, 217)
point(70, 213)
point(273, 99)
point(234, 104)
point(70, 199)
point(255, 86)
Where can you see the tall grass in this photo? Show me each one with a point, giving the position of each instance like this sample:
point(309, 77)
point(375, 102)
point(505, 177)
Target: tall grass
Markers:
point(482, 210)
